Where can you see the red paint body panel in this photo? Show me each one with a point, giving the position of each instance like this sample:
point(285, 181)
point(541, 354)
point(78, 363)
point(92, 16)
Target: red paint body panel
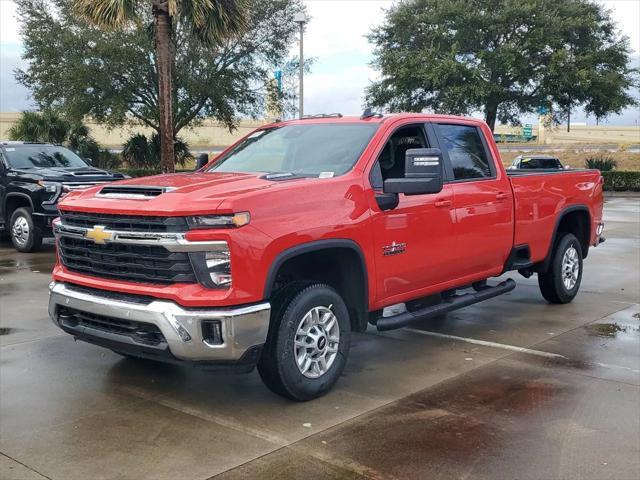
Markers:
point(462, 234)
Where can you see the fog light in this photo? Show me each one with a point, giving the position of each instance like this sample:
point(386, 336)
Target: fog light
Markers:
point(212, 332)
point(600, 228)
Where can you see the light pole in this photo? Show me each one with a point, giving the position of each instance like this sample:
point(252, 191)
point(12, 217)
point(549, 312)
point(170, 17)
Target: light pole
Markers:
point(300, 18)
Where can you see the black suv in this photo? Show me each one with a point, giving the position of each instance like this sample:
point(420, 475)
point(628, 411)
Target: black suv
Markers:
point(33, 177)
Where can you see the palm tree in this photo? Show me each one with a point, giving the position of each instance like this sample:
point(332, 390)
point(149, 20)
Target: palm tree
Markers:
point(212, 21)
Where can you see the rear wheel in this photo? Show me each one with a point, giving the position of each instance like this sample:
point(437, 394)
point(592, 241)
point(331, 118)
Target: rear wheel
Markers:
point(24, 235)
point(308, 342)
point(560, 284)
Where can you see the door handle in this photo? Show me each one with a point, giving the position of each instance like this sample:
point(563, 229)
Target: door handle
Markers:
point(501, 196)
point(442, 203)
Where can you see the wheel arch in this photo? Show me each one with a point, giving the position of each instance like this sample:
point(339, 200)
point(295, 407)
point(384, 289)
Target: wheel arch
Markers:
point(339, 263)
point(15, 200)
point(575, 219)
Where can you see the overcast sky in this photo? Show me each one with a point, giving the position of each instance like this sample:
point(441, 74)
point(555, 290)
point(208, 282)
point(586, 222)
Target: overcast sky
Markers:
point(335, 36)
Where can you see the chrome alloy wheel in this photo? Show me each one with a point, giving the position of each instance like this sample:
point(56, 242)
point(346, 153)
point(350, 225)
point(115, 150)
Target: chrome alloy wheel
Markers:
point(316, 342)
point(20, 231)
point(570, 268)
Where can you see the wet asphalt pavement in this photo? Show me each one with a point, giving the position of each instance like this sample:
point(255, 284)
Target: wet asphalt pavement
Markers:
point(413, 403)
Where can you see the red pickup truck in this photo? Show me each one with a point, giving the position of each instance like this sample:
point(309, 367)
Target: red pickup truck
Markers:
point(307, 230)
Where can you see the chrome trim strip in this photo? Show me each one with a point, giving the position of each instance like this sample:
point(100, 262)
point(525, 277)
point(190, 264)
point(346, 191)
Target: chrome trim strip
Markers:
point(174, 242)
point(243, 327)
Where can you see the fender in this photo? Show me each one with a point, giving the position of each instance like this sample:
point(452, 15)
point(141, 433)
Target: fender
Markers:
point(315, 246)
point(544, 265)
point(18, 194)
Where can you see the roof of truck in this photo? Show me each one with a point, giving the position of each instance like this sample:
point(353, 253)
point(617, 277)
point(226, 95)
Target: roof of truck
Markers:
point(373, 118)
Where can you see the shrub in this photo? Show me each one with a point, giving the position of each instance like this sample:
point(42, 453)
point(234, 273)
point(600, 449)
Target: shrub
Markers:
point(45, 127)
point(143, 153)
point(601, 162)
point(621, 180)
point(145, 172)
point(50, 127)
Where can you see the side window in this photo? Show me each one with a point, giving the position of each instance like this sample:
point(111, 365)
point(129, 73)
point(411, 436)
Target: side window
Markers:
point(390, 162)
point(466, 151)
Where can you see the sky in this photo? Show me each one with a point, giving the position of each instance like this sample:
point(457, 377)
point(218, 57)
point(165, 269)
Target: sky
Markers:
point(335, 36)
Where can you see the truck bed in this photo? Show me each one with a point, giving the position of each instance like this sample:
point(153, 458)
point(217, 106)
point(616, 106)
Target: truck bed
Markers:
point(540, 196)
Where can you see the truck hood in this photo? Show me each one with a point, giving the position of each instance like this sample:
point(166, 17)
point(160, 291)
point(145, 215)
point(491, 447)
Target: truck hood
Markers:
point(78, 174)
point(172, 194)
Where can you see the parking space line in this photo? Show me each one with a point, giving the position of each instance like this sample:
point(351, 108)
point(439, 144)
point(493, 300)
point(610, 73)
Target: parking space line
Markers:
point(485, 343)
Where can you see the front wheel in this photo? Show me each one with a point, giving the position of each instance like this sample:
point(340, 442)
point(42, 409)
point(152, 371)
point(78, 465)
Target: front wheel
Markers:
point(308, 342)
point(560, 284)
point(24, 235)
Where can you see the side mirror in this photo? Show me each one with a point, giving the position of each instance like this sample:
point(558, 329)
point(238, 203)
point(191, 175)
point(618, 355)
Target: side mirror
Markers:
point(88, 161)
point(202, 160)
point(422, 173)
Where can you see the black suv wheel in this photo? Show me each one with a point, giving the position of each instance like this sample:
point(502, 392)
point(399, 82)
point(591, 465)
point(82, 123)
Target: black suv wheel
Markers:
point(24, 235)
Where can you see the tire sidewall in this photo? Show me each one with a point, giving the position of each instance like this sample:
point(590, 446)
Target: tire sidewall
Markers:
point(31, 242)
point(294, 381)
point(566, 242)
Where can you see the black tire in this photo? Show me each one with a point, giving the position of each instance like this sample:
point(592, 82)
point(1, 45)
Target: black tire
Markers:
point(24, 240)
point(277, 366)
point(551, 283)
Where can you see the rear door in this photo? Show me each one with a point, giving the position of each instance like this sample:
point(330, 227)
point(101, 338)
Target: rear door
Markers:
point(483, 200)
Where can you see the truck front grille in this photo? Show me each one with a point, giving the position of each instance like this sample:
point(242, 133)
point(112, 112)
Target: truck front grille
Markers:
point(136, 263)
point(125, 223)
point(140, 332)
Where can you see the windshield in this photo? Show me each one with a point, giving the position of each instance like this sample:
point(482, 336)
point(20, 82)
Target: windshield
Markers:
point(37, 156)
point(324, 150)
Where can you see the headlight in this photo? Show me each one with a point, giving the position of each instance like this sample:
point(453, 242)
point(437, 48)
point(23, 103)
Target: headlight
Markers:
point(50, 187)
point(219, 221)
point(213, 269)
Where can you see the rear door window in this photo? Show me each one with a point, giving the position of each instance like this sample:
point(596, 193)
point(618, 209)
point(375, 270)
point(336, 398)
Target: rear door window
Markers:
point(466, 151)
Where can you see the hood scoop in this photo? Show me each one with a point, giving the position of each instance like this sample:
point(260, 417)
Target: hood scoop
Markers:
point(92, 172)
point(133, 192)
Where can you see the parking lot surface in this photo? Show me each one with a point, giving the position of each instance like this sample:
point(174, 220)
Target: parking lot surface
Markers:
point(509, 388)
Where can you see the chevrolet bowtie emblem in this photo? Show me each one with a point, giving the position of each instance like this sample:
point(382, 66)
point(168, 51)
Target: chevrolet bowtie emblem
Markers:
point(99, 235)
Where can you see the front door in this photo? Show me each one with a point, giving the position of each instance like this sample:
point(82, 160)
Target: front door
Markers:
point(413, 242)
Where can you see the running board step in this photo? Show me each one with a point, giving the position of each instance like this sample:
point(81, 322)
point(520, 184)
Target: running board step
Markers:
point(452, 303)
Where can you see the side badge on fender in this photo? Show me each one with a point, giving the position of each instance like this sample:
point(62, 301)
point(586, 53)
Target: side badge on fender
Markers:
point(394, 248)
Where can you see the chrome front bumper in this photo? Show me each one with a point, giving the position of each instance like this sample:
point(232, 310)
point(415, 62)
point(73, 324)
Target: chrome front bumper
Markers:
point(243, 327)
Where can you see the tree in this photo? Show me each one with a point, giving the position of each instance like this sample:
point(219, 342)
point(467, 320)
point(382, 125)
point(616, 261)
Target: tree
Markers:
point(112, 76)
point(503, 57)
point(210, 21)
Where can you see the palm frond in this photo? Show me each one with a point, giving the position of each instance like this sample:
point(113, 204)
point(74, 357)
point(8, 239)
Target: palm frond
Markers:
point(213, 21)
point(106, 13)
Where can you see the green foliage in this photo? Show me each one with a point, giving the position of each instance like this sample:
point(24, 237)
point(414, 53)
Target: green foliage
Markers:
point(51, 127)
point(46, 127)
point(112, 75)
point(506, 58)
point(601, 162)
point(622, 180)
point(141, 152)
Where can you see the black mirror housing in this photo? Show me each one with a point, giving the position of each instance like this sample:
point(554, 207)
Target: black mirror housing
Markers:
point(88, 161)
point(423, 173)
point(202, 160)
